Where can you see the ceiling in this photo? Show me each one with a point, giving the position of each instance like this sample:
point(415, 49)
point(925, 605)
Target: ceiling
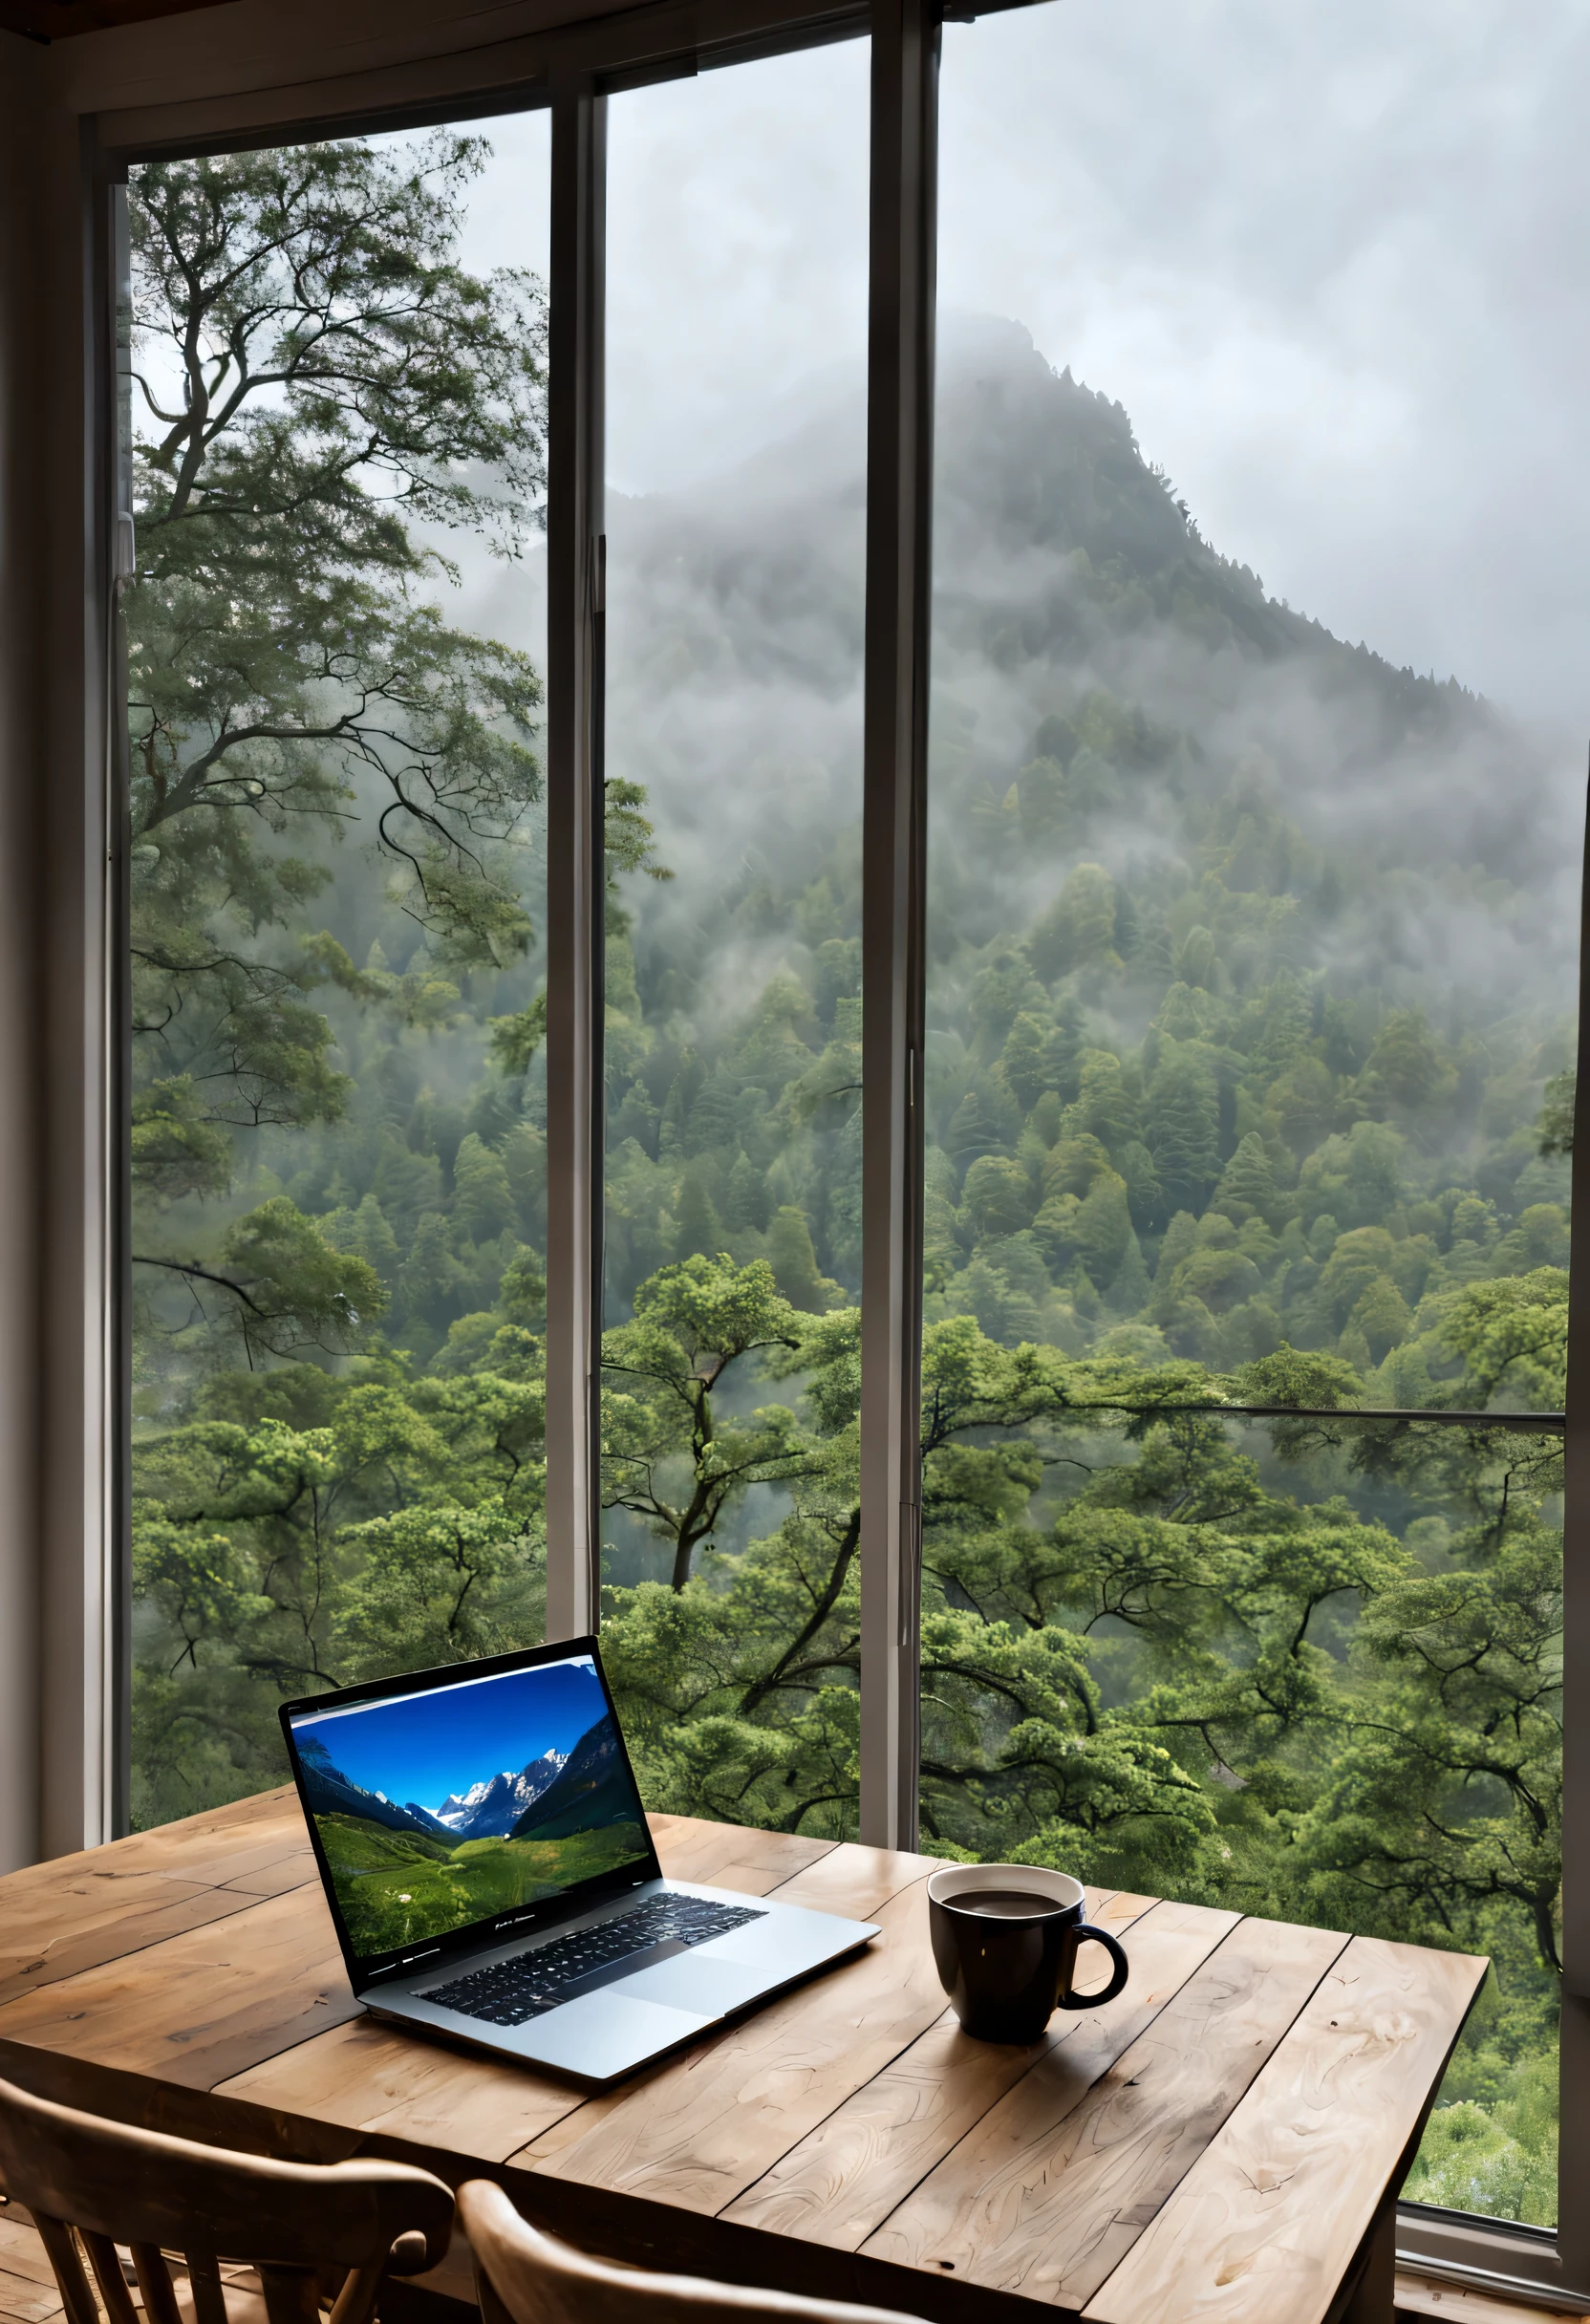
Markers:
point(59, 19)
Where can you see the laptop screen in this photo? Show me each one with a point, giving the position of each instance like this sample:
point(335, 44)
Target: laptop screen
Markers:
point(452, 1803)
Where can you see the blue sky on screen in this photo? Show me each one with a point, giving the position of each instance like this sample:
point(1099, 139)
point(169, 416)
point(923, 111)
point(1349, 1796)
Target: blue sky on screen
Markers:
point(426, 1746)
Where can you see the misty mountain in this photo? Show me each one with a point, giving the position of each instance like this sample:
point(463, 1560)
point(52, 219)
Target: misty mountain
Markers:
point(331, 1792)
point(488, 1810)
point(1202, 876)
point(589, 1790)
point(1067, 568)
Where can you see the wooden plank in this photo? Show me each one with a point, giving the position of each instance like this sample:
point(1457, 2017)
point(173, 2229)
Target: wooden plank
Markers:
point(1052, 2188)
point(293, 1868)
point(71, 1931)
point(22, 2251)
point(731, 1855)
point(1267, 2221)
point(77, 1911)
point(27, 2301)
point(379, 2080)
point(854, 1881)
point(699, 2129)
point(120, 1929)
point(202, 2005)
point(214, 1846)
point(845, 2177)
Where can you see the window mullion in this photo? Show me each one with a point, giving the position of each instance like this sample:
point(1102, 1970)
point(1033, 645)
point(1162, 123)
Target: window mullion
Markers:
point(1572, 2232)
point(899, 487)
point(575, 885)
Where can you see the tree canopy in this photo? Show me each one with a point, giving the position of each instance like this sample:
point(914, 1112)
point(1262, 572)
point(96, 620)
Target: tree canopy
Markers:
point(318, 387)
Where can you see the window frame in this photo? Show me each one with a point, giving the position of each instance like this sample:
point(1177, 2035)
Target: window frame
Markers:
point(570, 69)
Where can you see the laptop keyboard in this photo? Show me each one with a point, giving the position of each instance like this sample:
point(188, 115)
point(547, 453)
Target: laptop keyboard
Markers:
point(509, 1992)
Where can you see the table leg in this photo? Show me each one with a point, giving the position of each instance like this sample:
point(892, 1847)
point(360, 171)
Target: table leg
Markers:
point(1370, 2300)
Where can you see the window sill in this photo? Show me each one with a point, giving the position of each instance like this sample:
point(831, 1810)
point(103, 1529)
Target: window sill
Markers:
point(1451, 2265)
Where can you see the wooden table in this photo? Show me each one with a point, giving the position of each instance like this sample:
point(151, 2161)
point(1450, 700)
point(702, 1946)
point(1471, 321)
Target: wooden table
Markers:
point(1224, 2140)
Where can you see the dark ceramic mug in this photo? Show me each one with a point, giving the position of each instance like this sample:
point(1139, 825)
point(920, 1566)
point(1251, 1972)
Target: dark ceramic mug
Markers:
point(1005, 1939)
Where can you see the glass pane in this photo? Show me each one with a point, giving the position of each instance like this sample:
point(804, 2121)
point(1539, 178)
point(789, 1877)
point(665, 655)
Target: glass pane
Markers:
point(1256, 839)
point(337, 872)
point(737, 309)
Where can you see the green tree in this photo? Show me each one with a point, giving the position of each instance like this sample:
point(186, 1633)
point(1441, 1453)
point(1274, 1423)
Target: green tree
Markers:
point(1247, 1187)
point(1183, 1128)
point(1513, 1338)
point(794, 1261)
point(1555, 1126)
point(1078, 931)
point(670, 1454)
point(317, 380)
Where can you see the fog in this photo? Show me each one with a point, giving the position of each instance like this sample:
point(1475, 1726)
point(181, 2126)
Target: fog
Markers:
point(1332, 262)
point(1330, 272)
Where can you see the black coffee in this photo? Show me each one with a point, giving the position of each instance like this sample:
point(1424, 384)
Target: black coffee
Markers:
point(1005, 1904)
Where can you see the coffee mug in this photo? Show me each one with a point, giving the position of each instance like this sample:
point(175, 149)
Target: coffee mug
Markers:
point(1004, 1942)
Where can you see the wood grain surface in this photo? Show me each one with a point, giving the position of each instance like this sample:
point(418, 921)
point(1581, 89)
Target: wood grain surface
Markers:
point(21, 2254)
point(985, 2211)
point(80, 1911)
point(379, 2080)
point(1056, 2184)
point(202, 2005)
point(853, 1880)
point(729, 1856)
point(1211, 2144)
point(845, 2177)
point(697, 2130)
point(1267, 2220)
point(27, 2299)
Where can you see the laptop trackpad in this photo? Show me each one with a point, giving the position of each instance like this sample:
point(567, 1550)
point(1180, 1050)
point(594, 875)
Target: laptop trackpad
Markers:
point(698, 1982)
point(605, 2034)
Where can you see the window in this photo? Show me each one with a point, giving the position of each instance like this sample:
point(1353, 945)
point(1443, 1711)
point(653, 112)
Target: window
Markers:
point(533, 769)
point(1253, 941)
point(337, 928)
point(736, 533)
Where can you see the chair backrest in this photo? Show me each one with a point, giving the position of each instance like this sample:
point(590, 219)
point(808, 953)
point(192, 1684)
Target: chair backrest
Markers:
point(96, 2184)
point(525, 2277)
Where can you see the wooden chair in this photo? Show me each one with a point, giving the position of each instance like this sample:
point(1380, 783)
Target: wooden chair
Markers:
point(91, 2183)
point(525, 2277)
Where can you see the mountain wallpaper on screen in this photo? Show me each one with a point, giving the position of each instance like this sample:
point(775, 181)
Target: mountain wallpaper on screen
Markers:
point(592, 1788)
point(488, 1808)
point(560, 1793)
point(329, 1793)
point(403, 1875)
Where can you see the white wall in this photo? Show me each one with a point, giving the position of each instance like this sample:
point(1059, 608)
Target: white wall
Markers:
point(21, 637)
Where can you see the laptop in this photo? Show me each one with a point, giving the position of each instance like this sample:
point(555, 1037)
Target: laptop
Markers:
point(492, 1877)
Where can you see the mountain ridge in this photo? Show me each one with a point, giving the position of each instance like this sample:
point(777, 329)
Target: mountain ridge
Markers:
point(589, 1790)
point(331, 1793)
point(488, 1810)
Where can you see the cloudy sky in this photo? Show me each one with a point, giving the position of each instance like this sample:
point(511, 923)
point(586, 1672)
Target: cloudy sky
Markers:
point(1333, 261)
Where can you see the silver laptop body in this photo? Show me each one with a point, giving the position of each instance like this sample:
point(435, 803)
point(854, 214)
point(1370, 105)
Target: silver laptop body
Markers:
point(499, 1886)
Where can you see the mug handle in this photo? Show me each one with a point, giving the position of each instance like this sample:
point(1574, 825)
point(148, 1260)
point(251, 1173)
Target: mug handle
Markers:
point(1116, 1953)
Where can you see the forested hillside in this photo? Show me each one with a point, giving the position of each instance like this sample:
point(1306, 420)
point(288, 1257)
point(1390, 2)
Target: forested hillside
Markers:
point(1250, 955)
point(1251, 973)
